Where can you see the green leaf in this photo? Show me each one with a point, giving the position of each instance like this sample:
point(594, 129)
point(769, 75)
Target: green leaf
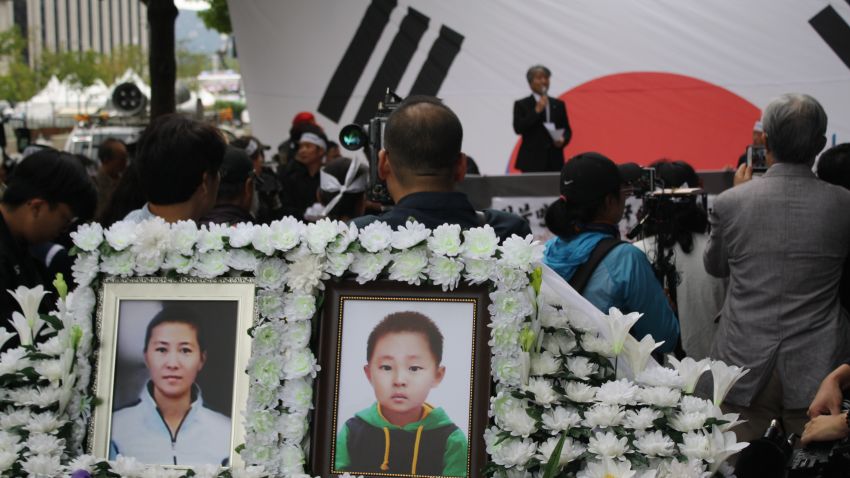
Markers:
point(52, 321)
point(553, 464)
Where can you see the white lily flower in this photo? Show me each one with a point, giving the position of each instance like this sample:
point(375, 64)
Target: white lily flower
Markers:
point(722, 446)
point(725, 377)
point(26, 329)
point(690, 370)
point(619, 326)
point(637, 353)
point(5, 335)
point(29, 299)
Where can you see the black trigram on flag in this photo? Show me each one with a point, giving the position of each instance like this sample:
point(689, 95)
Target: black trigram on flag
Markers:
point(834, 31)
point(398, 56)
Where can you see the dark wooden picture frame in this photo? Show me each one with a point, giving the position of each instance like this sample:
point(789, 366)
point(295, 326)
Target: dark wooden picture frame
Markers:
point(332, 330)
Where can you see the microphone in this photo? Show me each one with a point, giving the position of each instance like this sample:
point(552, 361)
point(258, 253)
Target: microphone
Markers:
point(543, 91)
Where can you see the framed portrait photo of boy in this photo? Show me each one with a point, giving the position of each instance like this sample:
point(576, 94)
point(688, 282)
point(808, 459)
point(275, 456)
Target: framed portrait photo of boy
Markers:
point(170, 377)
point(405, 381)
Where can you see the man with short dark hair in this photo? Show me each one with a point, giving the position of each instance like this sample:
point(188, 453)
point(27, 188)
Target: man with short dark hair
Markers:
point(112, 154)
point(179, 160)
point(45, 192)
point(236, 190)
point(781, 239)
point(299, 179)
point(542, 122)
point(421, 162)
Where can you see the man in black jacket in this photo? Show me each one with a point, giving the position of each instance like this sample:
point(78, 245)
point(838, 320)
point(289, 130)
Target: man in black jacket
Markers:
point(542, 122)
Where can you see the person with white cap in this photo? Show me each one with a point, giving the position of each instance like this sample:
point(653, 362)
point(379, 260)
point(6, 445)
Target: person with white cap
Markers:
point(299, 179)
point(758, 142)
point(342, 188)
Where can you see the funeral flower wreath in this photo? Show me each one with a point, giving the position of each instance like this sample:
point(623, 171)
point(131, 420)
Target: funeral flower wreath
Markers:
point(569, 383)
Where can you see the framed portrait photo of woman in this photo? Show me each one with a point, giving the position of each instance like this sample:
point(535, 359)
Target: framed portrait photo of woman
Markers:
point(171, 366)
point(405, 381)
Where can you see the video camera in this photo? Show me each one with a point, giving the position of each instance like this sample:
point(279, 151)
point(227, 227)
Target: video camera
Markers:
point(370, 137)
point(774, 456)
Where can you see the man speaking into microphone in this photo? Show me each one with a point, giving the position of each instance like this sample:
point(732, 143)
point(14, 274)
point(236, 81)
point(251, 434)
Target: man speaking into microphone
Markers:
point(542, 122)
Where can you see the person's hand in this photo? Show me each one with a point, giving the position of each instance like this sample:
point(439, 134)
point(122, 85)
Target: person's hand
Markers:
point(827, 400)
point(825, 428)
point(541, 103)
point(559, 143)
point(742, 175)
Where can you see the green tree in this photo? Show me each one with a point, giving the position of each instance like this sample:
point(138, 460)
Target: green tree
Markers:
point(191, 64)
point(217, 17)
point(17, 80)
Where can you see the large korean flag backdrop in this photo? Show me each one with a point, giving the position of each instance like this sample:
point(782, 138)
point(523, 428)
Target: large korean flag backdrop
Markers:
point(641, 80)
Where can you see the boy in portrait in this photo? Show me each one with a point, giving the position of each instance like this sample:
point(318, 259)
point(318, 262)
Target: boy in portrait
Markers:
point(400, 433)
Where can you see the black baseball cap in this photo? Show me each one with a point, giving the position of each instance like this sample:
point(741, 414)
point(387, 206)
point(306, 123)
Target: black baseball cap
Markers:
point(236, 166)
point(590, 176)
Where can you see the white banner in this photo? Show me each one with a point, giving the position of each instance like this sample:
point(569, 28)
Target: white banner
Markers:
point(641, 80)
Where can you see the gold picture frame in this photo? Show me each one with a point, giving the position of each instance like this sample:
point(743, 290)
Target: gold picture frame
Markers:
point(126, 311)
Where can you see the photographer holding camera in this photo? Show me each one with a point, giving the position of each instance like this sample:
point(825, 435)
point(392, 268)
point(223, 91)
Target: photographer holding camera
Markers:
point(828, 423)
point(421, 161)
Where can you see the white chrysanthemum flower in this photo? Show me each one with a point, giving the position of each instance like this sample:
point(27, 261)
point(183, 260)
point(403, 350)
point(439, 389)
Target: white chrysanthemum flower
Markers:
point(127, 466)
point(292, 426)
point(503, 402)
point(52, 370)
point(347, 233)
point(480, 242)
point(409, 266)
point(508, 278)
point(596, 344)
point(56, 345)
point(13, 360)
point(46, 422)
point(570, 451)
point(518, 422)
point(211, 237)
point(369, 266)
point(296, 335)
point(14, 418)
point(513, 452)
point(445, 240)
point(674, 468)
point(662, 397)
point(620, 392)
point(299, 306)
point(509, 306)
point(291, 459)
point(509, 369)
point(658, 376)
point(299, 363)
point(692, 404)
point(297, 394)
point(184, 235)
point(603, 415)
point(445, 271)
point(265, 370)
point(581, 367)
point(409, 235)
point(270, 304)
point(121, 235)
point(638, 353)
point(262, 239)
point(608, 445)
point(210, 264)
point(559, 343)
point(120, 264)
point(655, 443)
point(84, 269)
point(270, 273)
point(206, 471)
point(150, 245)
point(545, 363)
point(724, 377)
point(521, 253)
point(82, 462)
point(321, 233)
point(580, 392)
point(544, 393)
point(478, 271)
point(8, 457)
point(685, 422)
point(560, 419)
point(607, 468)
point(42, 465)
point(88, 237)
point(504, 339)
point(306, 273)
point(179, 263)
point(552, 317)
point(695, 445)
point(689, 370)
point(642, 418)
point(267, 337)
point(241, 235)
point(44, 444)
point(242, 259)
point(336, 264)
point(376, 237)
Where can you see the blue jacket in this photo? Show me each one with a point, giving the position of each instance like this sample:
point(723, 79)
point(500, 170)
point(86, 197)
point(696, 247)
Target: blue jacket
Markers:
point(624, 279)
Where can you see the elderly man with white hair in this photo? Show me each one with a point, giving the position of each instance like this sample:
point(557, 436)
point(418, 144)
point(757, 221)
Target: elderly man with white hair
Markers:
point(299, 179)
point(782, 240)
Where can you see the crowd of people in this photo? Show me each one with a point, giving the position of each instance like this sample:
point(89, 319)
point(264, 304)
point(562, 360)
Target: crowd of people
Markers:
point(759, 281)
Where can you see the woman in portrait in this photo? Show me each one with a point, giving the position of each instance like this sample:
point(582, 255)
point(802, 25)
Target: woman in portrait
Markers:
point(168, 424)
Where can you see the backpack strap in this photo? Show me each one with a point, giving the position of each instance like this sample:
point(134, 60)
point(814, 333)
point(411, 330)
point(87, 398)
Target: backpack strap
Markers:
point(582, 275)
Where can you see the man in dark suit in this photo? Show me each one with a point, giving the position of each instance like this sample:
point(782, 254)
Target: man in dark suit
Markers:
point(542, 122)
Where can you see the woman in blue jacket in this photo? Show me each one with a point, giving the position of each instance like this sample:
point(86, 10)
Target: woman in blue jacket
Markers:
point(593, 194)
